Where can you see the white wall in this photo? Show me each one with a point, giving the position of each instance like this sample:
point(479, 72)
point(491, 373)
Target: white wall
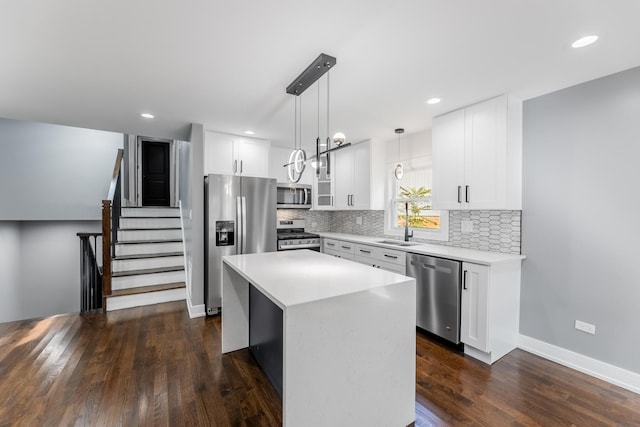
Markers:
point(191, 197)
point(580, 228)
point(52, 172)
point(10, 295)
point(411, 146)
point(40, 267)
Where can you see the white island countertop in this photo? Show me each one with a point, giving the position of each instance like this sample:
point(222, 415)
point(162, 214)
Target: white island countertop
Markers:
point(290, 278)
point(442, 251)
point(347, 333)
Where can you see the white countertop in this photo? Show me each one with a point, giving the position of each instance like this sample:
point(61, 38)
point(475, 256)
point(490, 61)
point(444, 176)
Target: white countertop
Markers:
point(296, 277)
point(450, 252)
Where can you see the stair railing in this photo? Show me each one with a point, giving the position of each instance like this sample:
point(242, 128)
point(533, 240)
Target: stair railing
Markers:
point(111, 207)
point(90, 279)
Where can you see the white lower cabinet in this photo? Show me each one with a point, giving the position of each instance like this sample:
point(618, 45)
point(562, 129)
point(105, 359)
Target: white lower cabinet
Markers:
point(374, 256)
point(339, 248)
point(490, 310)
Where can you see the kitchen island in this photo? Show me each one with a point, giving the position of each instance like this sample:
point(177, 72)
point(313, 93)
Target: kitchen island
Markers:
point(348, 335)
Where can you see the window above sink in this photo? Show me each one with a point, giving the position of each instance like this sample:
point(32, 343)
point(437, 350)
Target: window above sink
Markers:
point(415, 189)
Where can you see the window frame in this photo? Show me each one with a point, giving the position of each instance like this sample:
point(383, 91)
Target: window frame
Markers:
point(390, 206)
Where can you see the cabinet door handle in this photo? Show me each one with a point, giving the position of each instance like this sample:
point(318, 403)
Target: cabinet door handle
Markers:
point(466, 193)
point(391, 256)
point(464, 280)
point(365, 252)
point(459, 199)
point(345, 247)
point(235, 166)
point(352, 200)
point(240, 166)
point(330, 244)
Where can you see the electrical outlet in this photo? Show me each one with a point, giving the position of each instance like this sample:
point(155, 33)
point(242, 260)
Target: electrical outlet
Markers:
point(467, 226)
point(585, 327)
point(358, 220)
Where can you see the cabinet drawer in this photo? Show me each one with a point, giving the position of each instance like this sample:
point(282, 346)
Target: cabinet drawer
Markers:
point(346, 247)
point(367, 251)
point(365, 260)
point(339, 245)
point(339, 254)
point(395, 268)
point(329, 244)
point(391, 256)
point(331, 252)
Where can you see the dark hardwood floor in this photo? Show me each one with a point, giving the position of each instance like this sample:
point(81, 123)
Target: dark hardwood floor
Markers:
point(155, 366)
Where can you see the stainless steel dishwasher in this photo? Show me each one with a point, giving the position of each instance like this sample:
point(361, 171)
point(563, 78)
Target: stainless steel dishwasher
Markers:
point(438, 287)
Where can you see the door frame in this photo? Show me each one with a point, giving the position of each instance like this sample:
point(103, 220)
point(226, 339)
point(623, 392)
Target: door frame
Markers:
point(136, 164)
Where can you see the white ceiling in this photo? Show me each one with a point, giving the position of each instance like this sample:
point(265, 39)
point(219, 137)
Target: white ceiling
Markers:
point(225, 64)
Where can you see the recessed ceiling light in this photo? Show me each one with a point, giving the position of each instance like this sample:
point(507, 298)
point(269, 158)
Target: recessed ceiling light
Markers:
point(584, 41)
point(249, 132)
point(433, 101)
point(147, 115)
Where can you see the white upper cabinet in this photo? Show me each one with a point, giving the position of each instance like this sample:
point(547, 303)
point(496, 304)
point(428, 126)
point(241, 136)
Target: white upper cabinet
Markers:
point(352, 177)
point(477, 156)
point(235, 155)
point(448, 160)
point(323, 185)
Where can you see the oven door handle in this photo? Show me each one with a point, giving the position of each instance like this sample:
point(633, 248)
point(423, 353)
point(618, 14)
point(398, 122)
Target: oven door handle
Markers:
point(305, 196)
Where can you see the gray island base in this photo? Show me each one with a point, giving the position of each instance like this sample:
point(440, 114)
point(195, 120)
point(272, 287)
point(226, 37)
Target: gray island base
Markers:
point(348, 335)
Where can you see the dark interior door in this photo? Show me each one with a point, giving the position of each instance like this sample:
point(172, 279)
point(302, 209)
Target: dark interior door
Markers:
point(155, 173)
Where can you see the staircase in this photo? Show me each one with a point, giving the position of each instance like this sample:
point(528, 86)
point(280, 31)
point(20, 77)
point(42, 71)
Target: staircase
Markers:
point(148, 266)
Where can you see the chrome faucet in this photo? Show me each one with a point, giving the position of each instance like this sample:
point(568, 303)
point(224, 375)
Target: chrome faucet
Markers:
point(407, 234)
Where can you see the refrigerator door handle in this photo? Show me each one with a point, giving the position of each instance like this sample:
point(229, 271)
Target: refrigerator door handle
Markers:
point(244, 223)
point(239, 224)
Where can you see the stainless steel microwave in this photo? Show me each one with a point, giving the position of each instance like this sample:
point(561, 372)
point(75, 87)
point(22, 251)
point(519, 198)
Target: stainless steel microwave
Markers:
point(294, 196)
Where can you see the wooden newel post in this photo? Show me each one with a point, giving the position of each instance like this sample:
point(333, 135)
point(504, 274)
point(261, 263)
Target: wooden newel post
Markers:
point(106, 252)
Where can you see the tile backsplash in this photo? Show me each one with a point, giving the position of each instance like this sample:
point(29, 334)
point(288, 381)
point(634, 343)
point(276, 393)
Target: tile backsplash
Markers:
point(314, 220)
point(497, 231)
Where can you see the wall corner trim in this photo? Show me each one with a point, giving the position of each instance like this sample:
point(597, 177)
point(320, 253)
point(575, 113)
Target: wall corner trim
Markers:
point(195, 310)
point(604, 371)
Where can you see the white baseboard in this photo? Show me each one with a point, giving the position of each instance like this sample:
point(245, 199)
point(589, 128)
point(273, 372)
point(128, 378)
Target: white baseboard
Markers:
point(604, 371)
point(195, 310)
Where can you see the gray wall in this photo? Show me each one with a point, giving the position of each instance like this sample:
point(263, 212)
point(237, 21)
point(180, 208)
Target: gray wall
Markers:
point(579, 222)
point(10, 295)
point(51, 172)
point(40, 268)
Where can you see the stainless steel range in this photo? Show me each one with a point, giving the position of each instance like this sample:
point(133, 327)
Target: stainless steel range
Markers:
point(291, 235)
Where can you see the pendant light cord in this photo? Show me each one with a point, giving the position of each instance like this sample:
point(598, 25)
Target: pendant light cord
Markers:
point(328, 93)
point(300, 127)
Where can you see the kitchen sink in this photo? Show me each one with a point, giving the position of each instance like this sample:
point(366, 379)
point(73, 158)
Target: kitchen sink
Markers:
point(398, 243)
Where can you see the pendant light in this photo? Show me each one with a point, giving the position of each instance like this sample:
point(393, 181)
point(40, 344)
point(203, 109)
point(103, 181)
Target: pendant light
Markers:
point(297, 158)
point(321, 65)
point(398, 170)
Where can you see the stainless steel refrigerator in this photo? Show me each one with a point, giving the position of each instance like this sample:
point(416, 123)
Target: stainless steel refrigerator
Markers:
point(240, 218)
